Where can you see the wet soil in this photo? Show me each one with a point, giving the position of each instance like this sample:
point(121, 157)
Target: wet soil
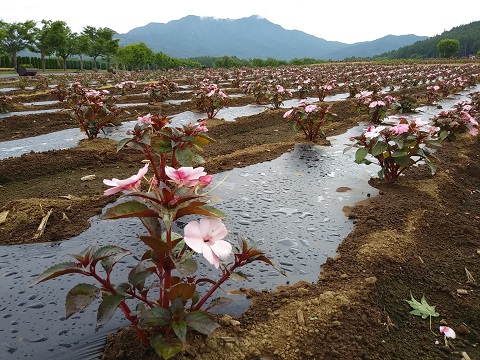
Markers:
point(420, 236)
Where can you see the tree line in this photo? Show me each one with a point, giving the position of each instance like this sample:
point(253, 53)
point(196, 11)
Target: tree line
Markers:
point(96, 49)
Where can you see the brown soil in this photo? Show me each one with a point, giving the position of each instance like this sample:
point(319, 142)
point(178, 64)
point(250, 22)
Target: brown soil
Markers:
point(420, 236)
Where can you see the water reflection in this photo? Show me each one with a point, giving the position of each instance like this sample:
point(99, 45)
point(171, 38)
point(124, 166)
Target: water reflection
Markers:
point(288, 206)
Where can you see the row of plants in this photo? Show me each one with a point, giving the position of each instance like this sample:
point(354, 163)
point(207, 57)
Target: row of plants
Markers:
point(161, 296)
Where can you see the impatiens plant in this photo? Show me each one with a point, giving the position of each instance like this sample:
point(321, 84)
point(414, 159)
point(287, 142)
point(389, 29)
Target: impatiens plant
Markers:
point(453, 123)
point(125, 86)
point(161, 296)
point(5, 103)
point(160, 90)
point(91, 109)
point(375, 104)
point(309, 118)
point(210, 99)
point(397, 148)
point(275, 95)
point(322, 90)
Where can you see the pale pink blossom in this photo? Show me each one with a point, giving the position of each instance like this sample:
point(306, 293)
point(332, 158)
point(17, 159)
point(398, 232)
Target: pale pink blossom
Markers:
point(310, 108)
point(376, 103)
point(419, 122)
point(288, 113)
point(448, 332)
point(185, 176)
point(206, 237)
point(399, 129)
point(146, 119)
point(280, 89)
point(130, 184)
point(373, 132)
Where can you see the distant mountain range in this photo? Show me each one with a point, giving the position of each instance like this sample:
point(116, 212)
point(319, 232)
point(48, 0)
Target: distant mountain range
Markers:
point(249, 38)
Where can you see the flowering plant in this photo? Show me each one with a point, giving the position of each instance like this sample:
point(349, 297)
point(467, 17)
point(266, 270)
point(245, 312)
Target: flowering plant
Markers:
point(93, 109)
point(210, 99)
point(160, 90)
point(322, 90)
point(275, 95)
point(397, 148)
point(455, 122)
point(124, 86)
point(5, 103)
point(375, 103)
point(163, 285)
point(309, 117)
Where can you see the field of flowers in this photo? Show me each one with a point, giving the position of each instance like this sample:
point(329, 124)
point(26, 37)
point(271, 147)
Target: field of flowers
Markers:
point(419, 239)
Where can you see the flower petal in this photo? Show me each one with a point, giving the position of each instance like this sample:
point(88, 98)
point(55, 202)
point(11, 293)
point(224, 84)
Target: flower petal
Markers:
point(222, 249)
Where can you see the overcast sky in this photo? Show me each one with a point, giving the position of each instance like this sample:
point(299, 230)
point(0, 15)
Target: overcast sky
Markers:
point(346, 21)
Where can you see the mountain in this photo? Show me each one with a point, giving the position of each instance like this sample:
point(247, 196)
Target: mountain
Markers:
point(248, 38)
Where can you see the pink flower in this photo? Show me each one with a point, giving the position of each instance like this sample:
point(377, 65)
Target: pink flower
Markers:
point(206, 237)
point(310, 108)
point(288, 113)
point(147, 119)
point(448, 332)
point(376, 103)
point(185, 176)
point(204, 181)
point(201, 127)
point(373, 132)
point(129, 184)
point(399, 129)
point(280, 89)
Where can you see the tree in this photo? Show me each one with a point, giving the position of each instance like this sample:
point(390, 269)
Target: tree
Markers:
point(16, 37)
point(101, 42)
point(65, 41)
point(448, 47)
point(82, 47)
point(48, 39)
point(135, 55)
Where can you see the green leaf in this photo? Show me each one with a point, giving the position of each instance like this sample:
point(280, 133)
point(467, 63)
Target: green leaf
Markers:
point(402, 160)
point(164, 348)
point(109, 255)
point(432, 166)
point(155, 317)
point(79, 297)
point(219, 303)
point(56, 271)
point(180, 329)
point(138, 275)
point(379, 148)
point(201, 322)
point(422, 308)
point(238, 276)
point(107, 308)
point(443, 134)
point(360, 155)
point(122, 143)
point(128, 209)
point(187, 267)
point(399, 153)
point(162, 146)
point(184, 156)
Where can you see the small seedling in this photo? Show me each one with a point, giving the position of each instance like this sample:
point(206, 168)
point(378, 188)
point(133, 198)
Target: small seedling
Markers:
point(422, 309)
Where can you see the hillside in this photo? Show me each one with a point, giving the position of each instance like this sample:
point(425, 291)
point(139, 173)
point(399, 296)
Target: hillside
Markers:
point(468, 35)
